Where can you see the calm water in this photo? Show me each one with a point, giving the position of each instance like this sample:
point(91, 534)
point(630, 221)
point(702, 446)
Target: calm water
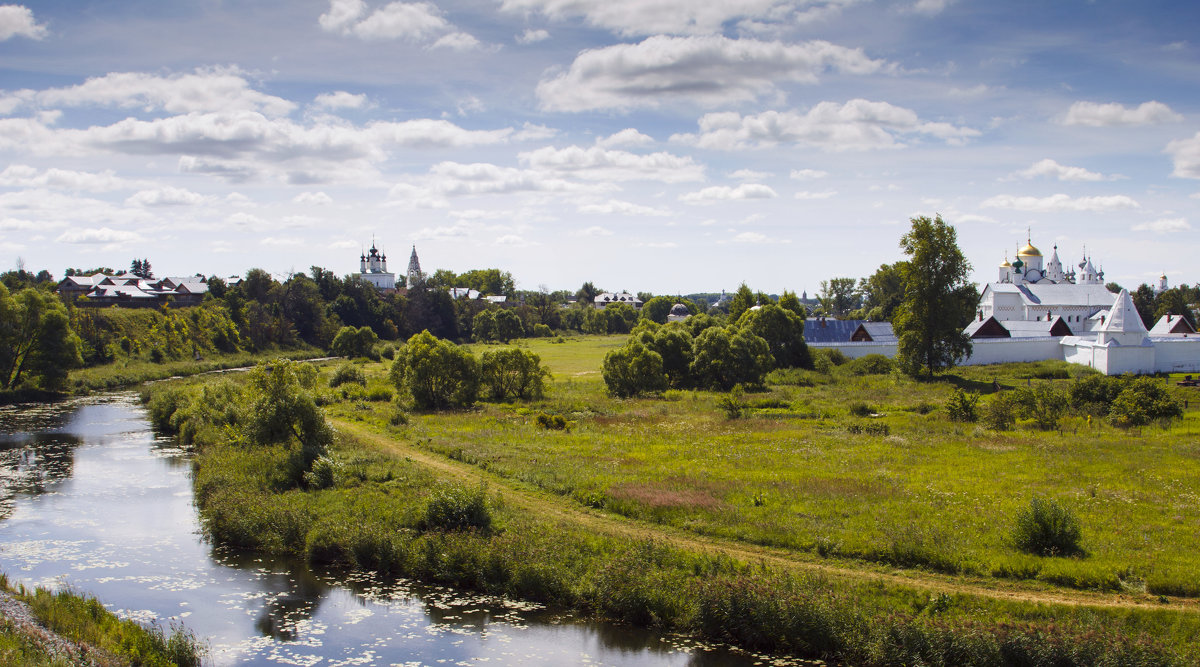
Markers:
point(90, 498)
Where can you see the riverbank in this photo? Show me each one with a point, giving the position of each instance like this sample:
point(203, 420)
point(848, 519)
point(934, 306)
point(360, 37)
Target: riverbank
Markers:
point(387, 469)
point(38, 627)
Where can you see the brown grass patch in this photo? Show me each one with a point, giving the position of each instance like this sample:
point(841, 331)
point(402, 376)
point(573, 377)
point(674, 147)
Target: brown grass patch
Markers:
point(660, 495)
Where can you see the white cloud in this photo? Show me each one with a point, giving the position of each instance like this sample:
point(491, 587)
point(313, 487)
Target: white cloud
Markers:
point(1052, 169)
point(646, 17)
point(596, 163)
point(708, 71)
point(454, 178)
point(531, 132)
point(749, 175)
point(1061, 202)
point(456, 41)
point(99, 236)
point(808, 174)
point(931, 6)
point(594, 230)
point(856, 125)
point(751, 237)
point(512, 240)
point(24, 176)
point(1107, 115)
point(618, 207)
point(816, 195)
point(342, 14)
point(206, 89)
point(340, 100)
point(281, 241)
point(531, 36)
point(314, 198)
point(165, 196)
point(726, 193)
point(626, 137)
point(1186, 154)
point(18, 21)
point(1164, 226)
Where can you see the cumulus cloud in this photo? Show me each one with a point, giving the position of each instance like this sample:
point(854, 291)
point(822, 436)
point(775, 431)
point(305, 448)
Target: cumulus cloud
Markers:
point(1164, 226)
point(749, 175)
point(726, 193)
point(314, 198)
point(165, 196)
point(340, 100)
point(647, 17)
point(1061, 202)
point(25, 176)
point(856, 125)
point(1186, 155)
point(808, 174)
point(417, 22)
point(205, 89)
point(618, 207)
point(1052, 169)
point(18, 21)
point(596, 163)
point(626, 137)
point(531, 36)
point(1107, 115)
point(709, 70)
point(99, 236)
point(480, 178)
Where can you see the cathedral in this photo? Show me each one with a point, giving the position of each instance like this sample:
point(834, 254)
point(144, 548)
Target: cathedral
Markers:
point(1032, 291)
point(372, 269)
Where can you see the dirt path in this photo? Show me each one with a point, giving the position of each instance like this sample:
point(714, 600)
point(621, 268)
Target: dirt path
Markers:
point(559, 509)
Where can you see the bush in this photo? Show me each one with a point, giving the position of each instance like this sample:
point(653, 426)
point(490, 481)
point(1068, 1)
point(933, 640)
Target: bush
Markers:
point(353, 343)
point(1000, 413)
point(633, 370)
point(436, 373)
point(1094, 394)
point(323, 473)
point(542, 331)
point(551, 422)
point(732, 403)
point(871, 364)
point(1043, 404)
point(1142, 401)
point(1047, 528)
point(458, 508)
point(860, 409)
point(347, 373)
point(514, 373)
point(962, 407)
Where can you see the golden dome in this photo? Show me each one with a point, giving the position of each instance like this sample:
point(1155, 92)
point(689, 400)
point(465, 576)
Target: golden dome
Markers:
point(1005, 264)
point(1029, 251)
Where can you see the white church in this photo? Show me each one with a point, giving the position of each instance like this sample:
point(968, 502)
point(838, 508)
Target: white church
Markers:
point(1036, 311)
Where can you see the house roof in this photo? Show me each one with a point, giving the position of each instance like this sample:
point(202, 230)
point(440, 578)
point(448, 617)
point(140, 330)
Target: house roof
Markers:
point(1123, 316)
point(989, 327)
point(1171, 324)
point(1037, 328)
point(1056, 294)
point(824, 330)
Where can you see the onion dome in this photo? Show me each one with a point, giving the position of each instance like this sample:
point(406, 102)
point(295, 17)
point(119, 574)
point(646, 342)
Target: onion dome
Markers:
point(1029, 251)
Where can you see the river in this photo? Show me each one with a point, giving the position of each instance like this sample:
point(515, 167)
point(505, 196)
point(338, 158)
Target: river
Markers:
point(91, 498)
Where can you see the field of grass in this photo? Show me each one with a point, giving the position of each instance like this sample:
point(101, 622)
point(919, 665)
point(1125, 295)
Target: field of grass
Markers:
point(126, 372)
point(884, 538)
point(800, 472)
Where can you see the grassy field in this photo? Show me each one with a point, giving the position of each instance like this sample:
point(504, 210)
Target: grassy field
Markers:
point(127, 372)
point(800, 472)
point(875, 539)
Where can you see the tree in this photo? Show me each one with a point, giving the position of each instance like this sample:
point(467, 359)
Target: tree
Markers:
point(783, 331)
point(508, 326)
point(37, 345)
point(838, 296)
point(1143, 300)
point(1142, 401)
point(658, 308)
point(928, 321)
point(674, 344)
point(483, 327)
point(353, 343)
point(586, 294)
point(1173, 302)
point(725, 357)
point(436, 373)
point(883, 291)
point(741, 301)
point(633, 370)
point(141, 269)
point(281, 409)
point(789, 301)
point(512, 373)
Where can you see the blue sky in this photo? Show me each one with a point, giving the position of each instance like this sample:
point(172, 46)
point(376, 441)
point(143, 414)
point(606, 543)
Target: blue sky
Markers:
point(646, 145)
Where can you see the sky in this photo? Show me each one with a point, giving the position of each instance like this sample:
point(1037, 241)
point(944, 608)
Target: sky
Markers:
point(665, 146)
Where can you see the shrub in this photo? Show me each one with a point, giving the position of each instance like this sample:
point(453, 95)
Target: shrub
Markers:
point(732, 403)
point(323, 473)
point(633, 370)
point(860, 409)
point(1094, 394)
point(871, 364)
point(379, 394)
point(727, 357)
point(347, 373)
point(962, 407)
point(512, 373)
point(1142, 401)
point(458, 508)
point(1047, 528)
point(1043, 404)
point(551, 422)
point(436, 373)
point(542, 331)
point(351, 342)
point(1000, 413)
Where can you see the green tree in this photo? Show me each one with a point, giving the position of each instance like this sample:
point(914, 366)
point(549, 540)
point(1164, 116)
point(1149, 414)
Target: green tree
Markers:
point(928, 322)
point(37, 345)
point(633, 370)
point(883, 291)
point(512, 373)
point(437, 374)
point(1142, 401)
point(508, 326)
point(740, 302)
point(783, 330)
point(675, 345)
point(353, 342)
point(658, 308)
point(725, 357)
point(282, 411)
point(1173, 302)
point(586, 294)
point(789, 301)
point(838, 296)
point(483, 327)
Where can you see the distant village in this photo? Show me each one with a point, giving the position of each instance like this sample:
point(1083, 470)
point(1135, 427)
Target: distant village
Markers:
point(1034, 310)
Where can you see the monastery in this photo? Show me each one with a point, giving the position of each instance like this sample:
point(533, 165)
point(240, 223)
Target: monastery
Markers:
point(1036, 311)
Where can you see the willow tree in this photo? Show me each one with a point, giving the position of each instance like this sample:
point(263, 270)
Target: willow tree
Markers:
point(928, 321)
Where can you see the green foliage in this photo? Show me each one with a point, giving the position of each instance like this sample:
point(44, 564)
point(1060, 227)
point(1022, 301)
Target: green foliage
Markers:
point(1044, 404)
point(483, 327)
point(783, 330)
point(541, 331)
point(1000, 413)
point(508, 326)
point(869, 364)
point(353, 342)
point(658, 308)
point(962, 407)
point(437, 374)
point(838, 296)
point(348, 372)
point(733, 404)
point(860, 409)
point(281, 411)
point(512, 373)
point(883, 291)
point(453, 507)
point(1142, 401)
point(929, 321)
point(323, 474)
point(37, 345)
point(724, 358)
point(1047, 528)
point(1094, 394)
point(634, 370)
point(551, 422)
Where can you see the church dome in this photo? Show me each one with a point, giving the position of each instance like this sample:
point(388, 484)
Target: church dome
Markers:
point(1029, 251)
point(1005, 264)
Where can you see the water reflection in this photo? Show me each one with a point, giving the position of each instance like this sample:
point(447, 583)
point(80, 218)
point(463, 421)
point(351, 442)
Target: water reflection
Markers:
point(95, 500)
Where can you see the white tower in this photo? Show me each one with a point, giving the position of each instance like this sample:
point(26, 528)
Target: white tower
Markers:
point(414, 270)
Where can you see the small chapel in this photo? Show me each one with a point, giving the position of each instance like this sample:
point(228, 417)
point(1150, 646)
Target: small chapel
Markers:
point(372, 268)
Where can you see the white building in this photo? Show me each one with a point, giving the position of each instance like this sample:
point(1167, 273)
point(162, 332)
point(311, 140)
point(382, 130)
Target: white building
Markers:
point(373, 269)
